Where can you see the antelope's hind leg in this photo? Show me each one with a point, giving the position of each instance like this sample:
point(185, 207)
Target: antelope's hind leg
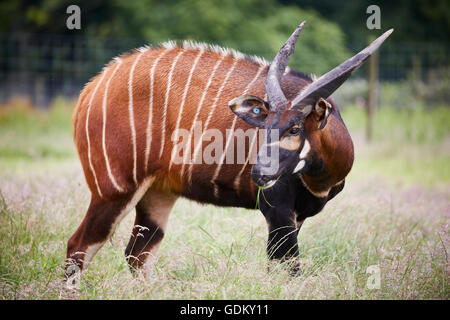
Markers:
point(96, 228)
point(152, 213)
point(99, 224)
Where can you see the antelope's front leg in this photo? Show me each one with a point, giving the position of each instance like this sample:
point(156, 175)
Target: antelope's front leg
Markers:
point(283, 230)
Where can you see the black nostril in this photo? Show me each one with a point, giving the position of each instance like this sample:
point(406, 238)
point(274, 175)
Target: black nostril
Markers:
point(261, 180)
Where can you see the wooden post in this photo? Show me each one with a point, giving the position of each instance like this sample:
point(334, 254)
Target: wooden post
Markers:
point(372, 80)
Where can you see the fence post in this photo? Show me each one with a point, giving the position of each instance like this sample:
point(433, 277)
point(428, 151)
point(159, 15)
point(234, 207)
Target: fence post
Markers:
point(39, 91)
point(372, 80)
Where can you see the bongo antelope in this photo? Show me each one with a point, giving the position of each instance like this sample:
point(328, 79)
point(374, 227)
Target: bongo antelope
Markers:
point(126, 115)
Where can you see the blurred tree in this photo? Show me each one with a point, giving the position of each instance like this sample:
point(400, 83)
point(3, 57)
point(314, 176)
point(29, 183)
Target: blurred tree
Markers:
point(252, 26)
point(413, 20)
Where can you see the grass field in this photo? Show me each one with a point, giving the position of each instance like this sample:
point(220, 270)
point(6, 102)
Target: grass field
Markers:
point(392, 216)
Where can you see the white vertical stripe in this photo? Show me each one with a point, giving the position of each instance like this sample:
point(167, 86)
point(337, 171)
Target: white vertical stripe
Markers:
point(183, 100)
point(237, 180)
point(166, 102)
point(249, 86)
point(213, 107)
point(87, 132)
point(108, 167)
point(150, 109)
point(131, 113)
point(199, 107)
point(219, 166)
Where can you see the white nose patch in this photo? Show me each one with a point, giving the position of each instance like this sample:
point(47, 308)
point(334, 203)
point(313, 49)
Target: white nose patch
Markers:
point(305, 150)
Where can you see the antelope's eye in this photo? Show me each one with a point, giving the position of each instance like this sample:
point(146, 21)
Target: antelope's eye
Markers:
point(294, 130)
point(256, 110)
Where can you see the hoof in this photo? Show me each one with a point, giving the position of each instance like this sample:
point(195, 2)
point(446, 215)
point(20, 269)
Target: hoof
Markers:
point(295, 270)
point(293, 267)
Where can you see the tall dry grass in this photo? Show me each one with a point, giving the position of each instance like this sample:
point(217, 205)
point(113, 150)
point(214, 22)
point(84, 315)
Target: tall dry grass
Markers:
point(393, 214)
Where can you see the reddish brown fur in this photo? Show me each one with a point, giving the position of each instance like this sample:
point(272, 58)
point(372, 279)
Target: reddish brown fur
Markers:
point(336, 148)
point(119, 142)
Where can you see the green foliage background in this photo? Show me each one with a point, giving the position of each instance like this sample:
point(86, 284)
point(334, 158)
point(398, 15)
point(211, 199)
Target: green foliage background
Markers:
point(252, 26)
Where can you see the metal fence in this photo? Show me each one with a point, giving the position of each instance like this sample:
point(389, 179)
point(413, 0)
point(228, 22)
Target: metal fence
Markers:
point(42, 67)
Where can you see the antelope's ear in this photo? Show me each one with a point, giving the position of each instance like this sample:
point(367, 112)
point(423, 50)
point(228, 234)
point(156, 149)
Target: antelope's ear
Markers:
point(322, 111)
point(251, 109)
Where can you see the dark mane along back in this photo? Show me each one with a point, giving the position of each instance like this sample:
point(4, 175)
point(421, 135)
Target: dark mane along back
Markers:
point(301, 75)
